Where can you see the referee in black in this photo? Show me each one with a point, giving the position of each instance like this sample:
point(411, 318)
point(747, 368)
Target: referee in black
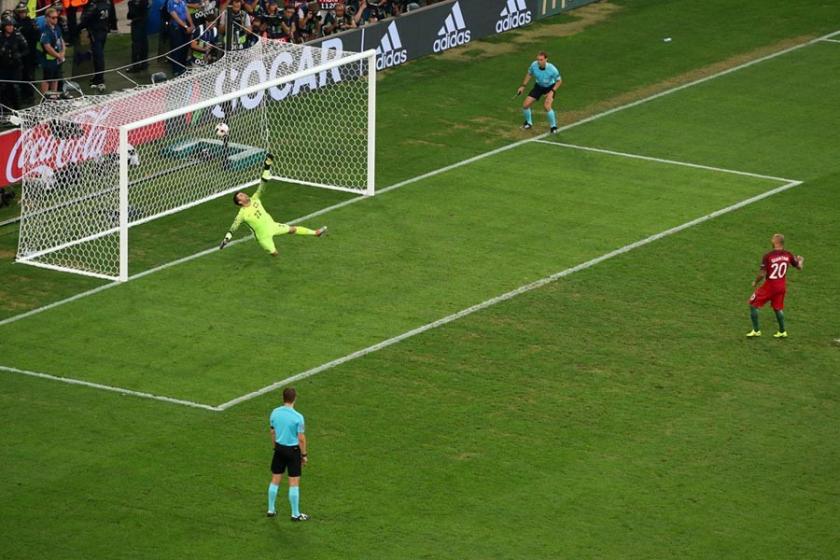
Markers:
point(289, 440)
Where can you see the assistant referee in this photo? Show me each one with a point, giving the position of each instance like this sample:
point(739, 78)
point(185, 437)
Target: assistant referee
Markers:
point(548, 80)
point(287, 427)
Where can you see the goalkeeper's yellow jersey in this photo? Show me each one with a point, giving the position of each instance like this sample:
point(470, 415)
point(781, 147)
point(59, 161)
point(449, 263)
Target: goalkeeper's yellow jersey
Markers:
point(255, 216)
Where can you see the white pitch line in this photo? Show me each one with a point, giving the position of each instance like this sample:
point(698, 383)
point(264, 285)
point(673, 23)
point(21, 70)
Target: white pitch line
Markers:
point(119, 390)
point(830, 40)
point(394, 340)
point(504, 297)
point(666, 161)
point(426, 175)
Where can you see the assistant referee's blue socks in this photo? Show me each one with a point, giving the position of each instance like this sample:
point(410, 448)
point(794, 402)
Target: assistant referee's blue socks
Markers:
point(294, 500)
point(527, 113)
point(272, 496)
point(552, 118)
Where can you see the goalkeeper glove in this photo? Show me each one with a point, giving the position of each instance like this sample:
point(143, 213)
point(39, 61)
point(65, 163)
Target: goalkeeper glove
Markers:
point(226, 240)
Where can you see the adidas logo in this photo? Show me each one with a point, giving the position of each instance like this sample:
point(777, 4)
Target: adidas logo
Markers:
point(390, 51)
point(515, 14)
point(454, 32)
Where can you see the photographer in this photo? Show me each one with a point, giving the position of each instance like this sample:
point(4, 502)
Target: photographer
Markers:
point(338, 20)
point(288, 24)
point(367, 12)
point(252, 8)
point(271, 21)
point(203, 45)
point(241, 22)
point(308, 26)
point(13, 49)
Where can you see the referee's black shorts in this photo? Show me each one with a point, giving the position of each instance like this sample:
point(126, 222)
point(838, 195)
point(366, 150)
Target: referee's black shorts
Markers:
point(286, 457)
point(538, 91)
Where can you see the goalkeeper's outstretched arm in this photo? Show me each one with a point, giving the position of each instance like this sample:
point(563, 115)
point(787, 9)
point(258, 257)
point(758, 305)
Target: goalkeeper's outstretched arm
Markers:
point(265, 176)
point(233, 227)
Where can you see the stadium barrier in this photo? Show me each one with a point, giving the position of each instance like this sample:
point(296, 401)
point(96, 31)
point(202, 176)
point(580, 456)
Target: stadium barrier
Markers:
point(431, 30)
point(440, 27)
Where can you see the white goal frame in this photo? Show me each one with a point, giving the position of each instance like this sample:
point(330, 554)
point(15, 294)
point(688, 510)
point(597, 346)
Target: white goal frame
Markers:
point(366, 57)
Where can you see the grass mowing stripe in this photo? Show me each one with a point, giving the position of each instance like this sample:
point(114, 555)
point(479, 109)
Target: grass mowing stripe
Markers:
point(419, 330)
point(668, 161)
point(432, 173)
point(504, 297)
point(102, 387)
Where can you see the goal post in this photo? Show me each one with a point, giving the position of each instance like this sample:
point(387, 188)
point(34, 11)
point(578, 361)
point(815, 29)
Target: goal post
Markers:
point(127, 159)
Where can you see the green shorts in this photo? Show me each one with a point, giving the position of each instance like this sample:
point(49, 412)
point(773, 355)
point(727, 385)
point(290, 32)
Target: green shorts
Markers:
point(266, 239)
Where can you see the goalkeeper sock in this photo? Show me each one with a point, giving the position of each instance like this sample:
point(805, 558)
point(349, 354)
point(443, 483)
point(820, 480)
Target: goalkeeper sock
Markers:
point(272, 496)
point(266, 175)
point(527, 113)
point(780, 317)
point(303, 231)
point(754, 318)
point(294, 500)
point(552, 118)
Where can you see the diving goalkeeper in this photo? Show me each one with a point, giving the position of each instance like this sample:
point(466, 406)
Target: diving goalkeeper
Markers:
point(257, 218)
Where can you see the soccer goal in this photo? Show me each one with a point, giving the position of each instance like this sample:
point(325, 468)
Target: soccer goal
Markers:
point(95, 167)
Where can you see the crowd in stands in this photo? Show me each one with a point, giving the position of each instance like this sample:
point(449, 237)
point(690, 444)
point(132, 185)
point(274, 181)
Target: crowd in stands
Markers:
point(36, 34)
point(293, 21)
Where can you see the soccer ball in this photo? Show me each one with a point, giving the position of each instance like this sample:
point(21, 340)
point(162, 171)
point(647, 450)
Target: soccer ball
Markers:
point(222, 130)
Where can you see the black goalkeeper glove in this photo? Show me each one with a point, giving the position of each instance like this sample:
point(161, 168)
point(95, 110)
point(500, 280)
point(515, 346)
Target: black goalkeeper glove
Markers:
point(226, 240)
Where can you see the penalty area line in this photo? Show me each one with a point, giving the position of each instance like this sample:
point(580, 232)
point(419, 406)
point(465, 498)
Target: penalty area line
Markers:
point(101, 387)
point(504, 297)
point(666, 161)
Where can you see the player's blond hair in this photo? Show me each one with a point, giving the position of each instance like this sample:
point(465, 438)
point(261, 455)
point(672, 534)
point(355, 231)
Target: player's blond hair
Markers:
point(778, 237)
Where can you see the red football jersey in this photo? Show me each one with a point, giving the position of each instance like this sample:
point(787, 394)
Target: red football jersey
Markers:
point(775, 265)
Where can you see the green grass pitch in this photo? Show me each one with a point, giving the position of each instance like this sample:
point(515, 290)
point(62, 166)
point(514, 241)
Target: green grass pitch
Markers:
point(615, 413)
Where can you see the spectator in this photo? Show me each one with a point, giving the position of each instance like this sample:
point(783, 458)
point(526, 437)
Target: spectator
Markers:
point(338, 20)
point(241, 22)
point(13, 49)
point(288, 23)
point(52, 50)
point(367, 12)
point(252, 8)
point(308, 26)
point(95, 19)
point(26, 26)
point(389, 8)
point(138, 14)
point(180, 34)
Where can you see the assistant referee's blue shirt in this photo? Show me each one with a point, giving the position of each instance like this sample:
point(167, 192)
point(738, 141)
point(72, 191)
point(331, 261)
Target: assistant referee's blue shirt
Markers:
point(287, 423)
point(545, 77)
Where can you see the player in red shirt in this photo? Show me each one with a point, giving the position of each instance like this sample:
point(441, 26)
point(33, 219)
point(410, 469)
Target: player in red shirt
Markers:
point(774, 268)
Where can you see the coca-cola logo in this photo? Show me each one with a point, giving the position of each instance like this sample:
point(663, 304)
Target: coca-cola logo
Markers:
point(40, 147)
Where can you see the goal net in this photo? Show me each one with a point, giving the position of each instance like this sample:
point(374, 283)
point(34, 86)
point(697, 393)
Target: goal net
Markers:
point(94, 167)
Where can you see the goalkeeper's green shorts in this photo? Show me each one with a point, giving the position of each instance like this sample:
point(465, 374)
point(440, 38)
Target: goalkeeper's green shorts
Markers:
point(266, 239)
